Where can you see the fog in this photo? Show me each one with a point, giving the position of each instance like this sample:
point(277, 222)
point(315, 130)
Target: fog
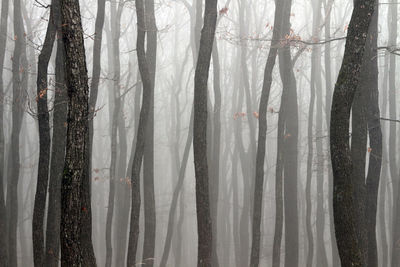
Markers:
point(159, 144)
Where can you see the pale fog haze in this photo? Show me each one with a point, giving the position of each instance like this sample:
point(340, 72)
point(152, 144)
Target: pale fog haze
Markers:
point(210, 133)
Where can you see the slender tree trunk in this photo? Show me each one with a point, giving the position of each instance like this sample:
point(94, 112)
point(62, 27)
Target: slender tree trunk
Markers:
point(375, 137)
point(345, 211)
point(328, 103)
point(57, 159)
point(141, 132)
point(44, 143)
point(310, 157)
point(394, 171)
point(215, 155)
point(384, 181)
point(3, 212)
point(290, 140)
point(148, 159)
point(19, 79)
point(75, 204)
point(204, 223)
point(116, 13)
point(262, 136)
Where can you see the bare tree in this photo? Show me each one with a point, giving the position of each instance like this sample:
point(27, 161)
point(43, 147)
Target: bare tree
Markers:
point(73, 247)
point(204, 225)
point(349, 76)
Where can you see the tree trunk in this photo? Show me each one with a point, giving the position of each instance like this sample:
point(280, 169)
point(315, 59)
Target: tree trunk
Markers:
point(204, 223)
point(148, 87)
point(44, 143)
point(375, 139)
point(148, 159)
point(290, 140)
point(350, 250)
point(19, 79)
point(57, 159)
point(262, 136)
point(75, 204)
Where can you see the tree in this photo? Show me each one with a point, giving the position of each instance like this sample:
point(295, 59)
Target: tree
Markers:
point(349, 76)
point(262, 136)
point(19, 84)
point(204, 226)
point(148, 87)
point(73, 250)
point(148, 158)
point(44, 143)
point(375, 138)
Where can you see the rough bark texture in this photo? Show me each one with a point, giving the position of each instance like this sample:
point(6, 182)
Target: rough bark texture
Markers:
point(375, 140)
point(349, 76)
point(141, 134)
point(57, 160)
point(262, 136)
point(44, 144)
point(73, 203)
point(148, 158)
point(3, 224)
point(204, 228)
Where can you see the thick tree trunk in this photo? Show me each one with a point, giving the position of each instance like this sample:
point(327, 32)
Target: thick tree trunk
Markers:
point(262, 136)
point(204, 228)
point(75, 200)
point(350, 250)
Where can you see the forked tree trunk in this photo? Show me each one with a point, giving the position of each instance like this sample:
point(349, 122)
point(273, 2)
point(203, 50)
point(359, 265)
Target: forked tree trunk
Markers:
point(350, 250)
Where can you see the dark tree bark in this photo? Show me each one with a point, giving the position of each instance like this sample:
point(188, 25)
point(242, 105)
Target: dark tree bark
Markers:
point(57, 159)
point(3, 224)
point(148, 158)
point(74, 202)
point(375, 139)
point(19, 80)
point(262, 136)
point(44, 144)
point(204, 227)
point(350, 250)
point(141, 133)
